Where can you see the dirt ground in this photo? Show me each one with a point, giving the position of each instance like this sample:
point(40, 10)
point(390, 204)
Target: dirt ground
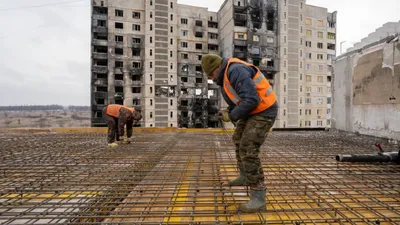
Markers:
point(44, 118)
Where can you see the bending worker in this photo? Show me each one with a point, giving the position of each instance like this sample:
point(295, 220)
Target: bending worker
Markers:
point(116, 117)
point(253, 108)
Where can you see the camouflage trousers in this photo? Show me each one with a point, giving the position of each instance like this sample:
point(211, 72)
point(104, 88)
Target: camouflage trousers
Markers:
point(112, 124)
point(249, 135)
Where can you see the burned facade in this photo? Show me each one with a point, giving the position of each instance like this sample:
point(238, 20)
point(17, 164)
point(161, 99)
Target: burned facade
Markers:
point(147, 55)
point(198, 36)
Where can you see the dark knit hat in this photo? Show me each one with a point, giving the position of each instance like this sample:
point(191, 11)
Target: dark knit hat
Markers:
point(210, 62)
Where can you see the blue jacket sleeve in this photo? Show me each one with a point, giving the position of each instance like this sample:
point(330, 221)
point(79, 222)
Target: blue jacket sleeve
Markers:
point(242, 82)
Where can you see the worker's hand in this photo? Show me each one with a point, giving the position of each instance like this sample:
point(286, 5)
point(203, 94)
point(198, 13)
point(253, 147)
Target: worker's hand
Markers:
point(113, 145)
point(224, 116)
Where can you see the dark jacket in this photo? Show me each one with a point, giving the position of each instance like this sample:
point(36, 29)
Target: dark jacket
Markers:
point(240, 77)
point(125, 117)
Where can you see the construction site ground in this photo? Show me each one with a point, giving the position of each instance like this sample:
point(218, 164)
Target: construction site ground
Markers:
point(173, 176)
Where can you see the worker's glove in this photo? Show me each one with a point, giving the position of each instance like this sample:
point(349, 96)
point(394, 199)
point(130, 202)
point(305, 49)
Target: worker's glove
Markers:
point(113, 145)
point(224, 116)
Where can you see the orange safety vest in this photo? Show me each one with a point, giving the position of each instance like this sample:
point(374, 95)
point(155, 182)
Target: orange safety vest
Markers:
point(114, 110)
point(264, 89)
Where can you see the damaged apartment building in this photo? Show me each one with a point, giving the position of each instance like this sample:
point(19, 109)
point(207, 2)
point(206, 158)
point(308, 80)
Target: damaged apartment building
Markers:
point(146, 54)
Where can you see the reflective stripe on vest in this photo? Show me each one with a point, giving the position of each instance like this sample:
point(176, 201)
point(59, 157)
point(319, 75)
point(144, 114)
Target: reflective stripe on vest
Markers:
point(264, 89)
point(114, 110)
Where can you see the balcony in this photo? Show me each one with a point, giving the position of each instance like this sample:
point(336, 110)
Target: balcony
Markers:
point(98, 107)
point(119, 83)
point(99, 17)
point(240, 55)
point(99, 42)
point(240, 42)
point(136, 83)
point(135, 71)
point(100, 94)
point(97, 55)
point(100, 29)
point(101, 82)
point(99, 69)
point(240, 17)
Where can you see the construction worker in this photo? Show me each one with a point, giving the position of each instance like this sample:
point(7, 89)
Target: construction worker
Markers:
point(253, 109)
point(116, 117)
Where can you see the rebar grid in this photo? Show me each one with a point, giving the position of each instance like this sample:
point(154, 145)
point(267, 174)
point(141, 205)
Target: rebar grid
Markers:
point(179, 178)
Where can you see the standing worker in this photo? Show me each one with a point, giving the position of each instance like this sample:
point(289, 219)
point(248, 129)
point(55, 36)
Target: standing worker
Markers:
point(253, 108)
point(116, 117)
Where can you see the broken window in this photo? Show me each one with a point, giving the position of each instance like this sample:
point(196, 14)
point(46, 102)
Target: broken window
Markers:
point(119, 89)
point(136, 101)
point(199, 69)
point(135, 40)
point(212, 47)
point(100, 49)
point(331, 46)
point(136, 15)
point(136, 90)
point(119, 38)
point(185, 68)
point(101, 62)
point(119, 64)
point(119, 25)
point(184, 56)
point(136, 65)
point(135, 27)
point(119, 51)
point(119, 77)
point(135, 52)
point(256, 61)
point(212, 24)
point(198, 91)
point(184, 91)
point(101, 75)
point(270, 19)
point(199, 46)
point(329, 78)
point(199, 23)
point(136, 77)
point(198, 34)
point(119, 12)
point(199, 80)
point(100, 36)
point(101, 23)
point(184, 79)
point(199, 57)
point(101, 89)
point(165, 91)
point(99, 10)
point(100, 101)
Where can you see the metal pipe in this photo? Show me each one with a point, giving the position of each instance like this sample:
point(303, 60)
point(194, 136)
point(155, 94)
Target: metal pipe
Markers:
point(382, 157)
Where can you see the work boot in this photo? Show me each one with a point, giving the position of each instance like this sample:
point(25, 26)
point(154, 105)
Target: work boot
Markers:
point(239, 181)
point(256, 203)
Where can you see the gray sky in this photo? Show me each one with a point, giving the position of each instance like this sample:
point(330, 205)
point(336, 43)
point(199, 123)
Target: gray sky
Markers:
point(45, 51)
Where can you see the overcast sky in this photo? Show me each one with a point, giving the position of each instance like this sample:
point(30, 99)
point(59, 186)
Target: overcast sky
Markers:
point(45, 51)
